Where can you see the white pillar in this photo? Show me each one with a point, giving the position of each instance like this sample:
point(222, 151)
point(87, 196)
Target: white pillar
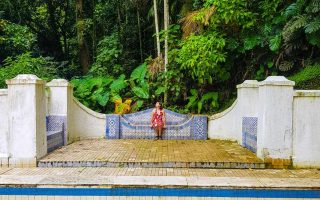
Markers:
point(248, 100)
point(274, 139)
point(27, 125)
point(4, 135)
point(60, 104)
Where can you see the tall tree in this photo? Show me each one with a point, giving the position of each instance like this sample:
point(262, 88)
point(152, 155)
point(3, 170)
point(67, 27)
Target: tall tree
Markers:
point(83, 47)
point(166, 46)
point(156, 23)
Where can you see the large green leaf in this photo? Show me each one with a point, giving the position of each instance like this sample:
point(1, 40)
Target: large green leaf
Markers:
point(139, 73)
point(140, 92)
point(160, 90)
point(103, 99)
point(118, 84)
point(274, 43)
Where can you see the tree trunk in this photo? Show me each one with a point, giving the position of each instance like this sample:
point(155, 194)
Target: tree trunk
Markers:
point(166, 26)
point(139, 31)
point(157, 27)
point(83, 47)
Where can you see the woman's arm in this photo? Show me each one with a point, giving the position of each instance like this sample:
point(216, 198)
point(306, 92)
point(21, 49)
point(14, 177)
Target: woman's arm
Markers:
point(152, 116)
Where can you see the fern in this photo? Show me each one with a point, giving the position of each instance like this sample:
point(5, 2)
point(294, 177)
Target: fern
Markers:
point(313, 26)
point(293, 9)
point(313, 7)
point(285, 66)
point(294, 25)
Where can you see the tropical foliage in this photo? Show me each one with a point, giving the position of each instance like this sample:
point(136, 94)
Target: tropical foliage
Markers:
point(122, 56)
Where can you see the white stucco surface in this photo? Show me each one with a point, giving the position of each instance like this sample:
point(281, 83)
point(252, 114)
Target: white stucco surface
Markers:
point(26, 113)
point(86, 123)
point(228, 124)
point(60, 99)
point(274, 138)
point(4, 153)
point(306, 127)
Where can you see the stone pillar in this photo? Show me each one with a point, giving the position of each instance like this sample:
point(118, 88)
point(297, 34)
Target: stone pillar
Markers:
point(4, 135)
point(274, 139)
point(27, 122)
point(59, 107)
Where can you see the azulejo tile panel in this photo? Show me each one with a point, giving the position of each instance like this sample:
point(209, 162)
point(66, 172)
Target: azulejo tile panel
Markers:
point(56, 131)
point(112, 126)
point(137, 126)
point(249, 133)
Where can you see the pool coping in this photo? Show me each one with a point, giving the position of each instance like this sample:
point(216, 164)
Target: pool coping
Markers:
point(80, 181)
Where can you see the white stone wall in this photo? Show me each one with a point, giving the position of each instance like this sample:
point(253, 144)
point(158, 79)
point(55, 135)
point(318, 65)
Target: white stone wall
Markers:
point(4, 153)
point(275, 118)
point(228, 124)
point(306, 129)
point(86, 123)
point(288, 120)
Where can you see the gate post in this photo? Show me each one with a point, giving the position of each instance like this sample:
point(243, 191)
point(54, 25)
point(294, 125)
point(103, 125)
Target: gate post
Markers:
point(274, 138)
point(27, 120)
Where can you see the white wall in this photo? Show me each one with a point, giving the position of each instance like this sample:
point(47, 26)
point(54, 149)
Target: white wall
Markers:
point(274, 138)
point(306, 128)
point(4, 153)
point(228, 124)
point(26, 117)
point(86, 123)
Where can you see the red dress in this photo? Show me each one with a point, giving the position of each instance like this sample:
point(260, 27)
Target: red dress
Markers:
point(157, 120)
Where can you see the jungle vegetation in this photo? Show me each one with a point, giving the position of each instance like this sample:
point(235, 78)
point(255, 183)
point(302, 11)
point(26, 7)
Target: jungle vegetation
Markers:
point(189, 54)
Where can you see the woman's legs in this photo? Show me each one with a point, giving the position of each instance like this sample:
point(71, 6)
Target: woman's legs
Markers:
point(156, 130)
point(160, 133)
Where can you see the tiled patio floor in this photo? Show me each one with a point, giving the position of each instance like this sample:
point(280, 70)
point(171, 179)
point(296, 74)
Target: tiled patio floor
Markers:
point(149, 153)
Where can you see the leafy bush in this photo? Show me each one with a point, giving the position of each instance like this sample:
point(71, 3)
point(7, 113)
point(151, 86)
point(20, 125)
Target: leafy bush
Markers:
point(207, 101)
point(14, 39)
point(101, 93)
point(202, 55)
point(108, 55)
point(308, 78)
point(43, 67)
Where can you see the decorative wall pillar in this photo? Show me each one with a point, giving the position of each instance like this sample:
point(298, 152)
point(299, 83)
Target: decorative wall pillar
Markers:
point(248, 100)
point(27, 122)
point(59, 107)
point(4, 131)
point(274, 139)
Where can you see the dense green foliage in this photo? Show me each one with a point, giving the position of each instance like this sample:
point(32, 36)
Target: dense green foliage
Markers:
point(107, 48)
point(307, 78)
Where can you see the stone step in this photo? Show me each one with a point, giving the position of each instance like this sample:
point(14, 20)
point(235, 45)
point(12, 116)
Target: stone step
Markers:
point(205, 165)
point(217, 154)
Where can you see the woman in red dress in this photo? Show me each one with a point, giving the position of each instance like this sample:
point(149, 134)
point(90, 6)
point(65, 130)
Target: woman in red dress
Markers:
point(158, 120)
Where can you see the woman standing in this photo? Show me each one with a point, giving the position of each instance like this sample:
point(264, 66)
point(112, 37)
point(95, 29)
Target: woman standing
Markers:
point(158, 119)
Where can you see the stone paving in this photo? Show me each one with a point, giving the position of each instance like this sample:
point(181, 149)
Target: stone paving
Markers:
point(159, 177)
point(149, 153)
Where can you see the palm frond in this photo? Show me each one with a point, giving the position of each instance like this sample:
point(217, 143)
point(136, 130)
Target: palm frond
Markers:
point(194, 21)
point(313, 26)
point(285, 66)
point(294, 25)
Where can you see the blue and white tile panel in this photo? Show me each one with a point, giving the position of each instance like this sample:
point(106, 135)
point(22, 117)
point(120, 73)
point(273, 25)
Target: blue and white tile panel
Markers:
point(56, 131)
point(137, 126)
point(249, 133)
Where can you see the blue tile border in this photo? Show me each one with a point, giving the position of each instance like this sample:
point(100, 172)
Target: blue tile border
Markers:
point(183, 192)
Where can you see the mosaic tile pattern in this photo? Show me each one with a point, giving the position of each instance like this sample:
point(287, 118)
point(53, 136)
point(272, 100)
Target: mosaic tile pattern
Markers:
point(137, 126)
point(112, 126)
point(249, 133)
point(56, 131)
